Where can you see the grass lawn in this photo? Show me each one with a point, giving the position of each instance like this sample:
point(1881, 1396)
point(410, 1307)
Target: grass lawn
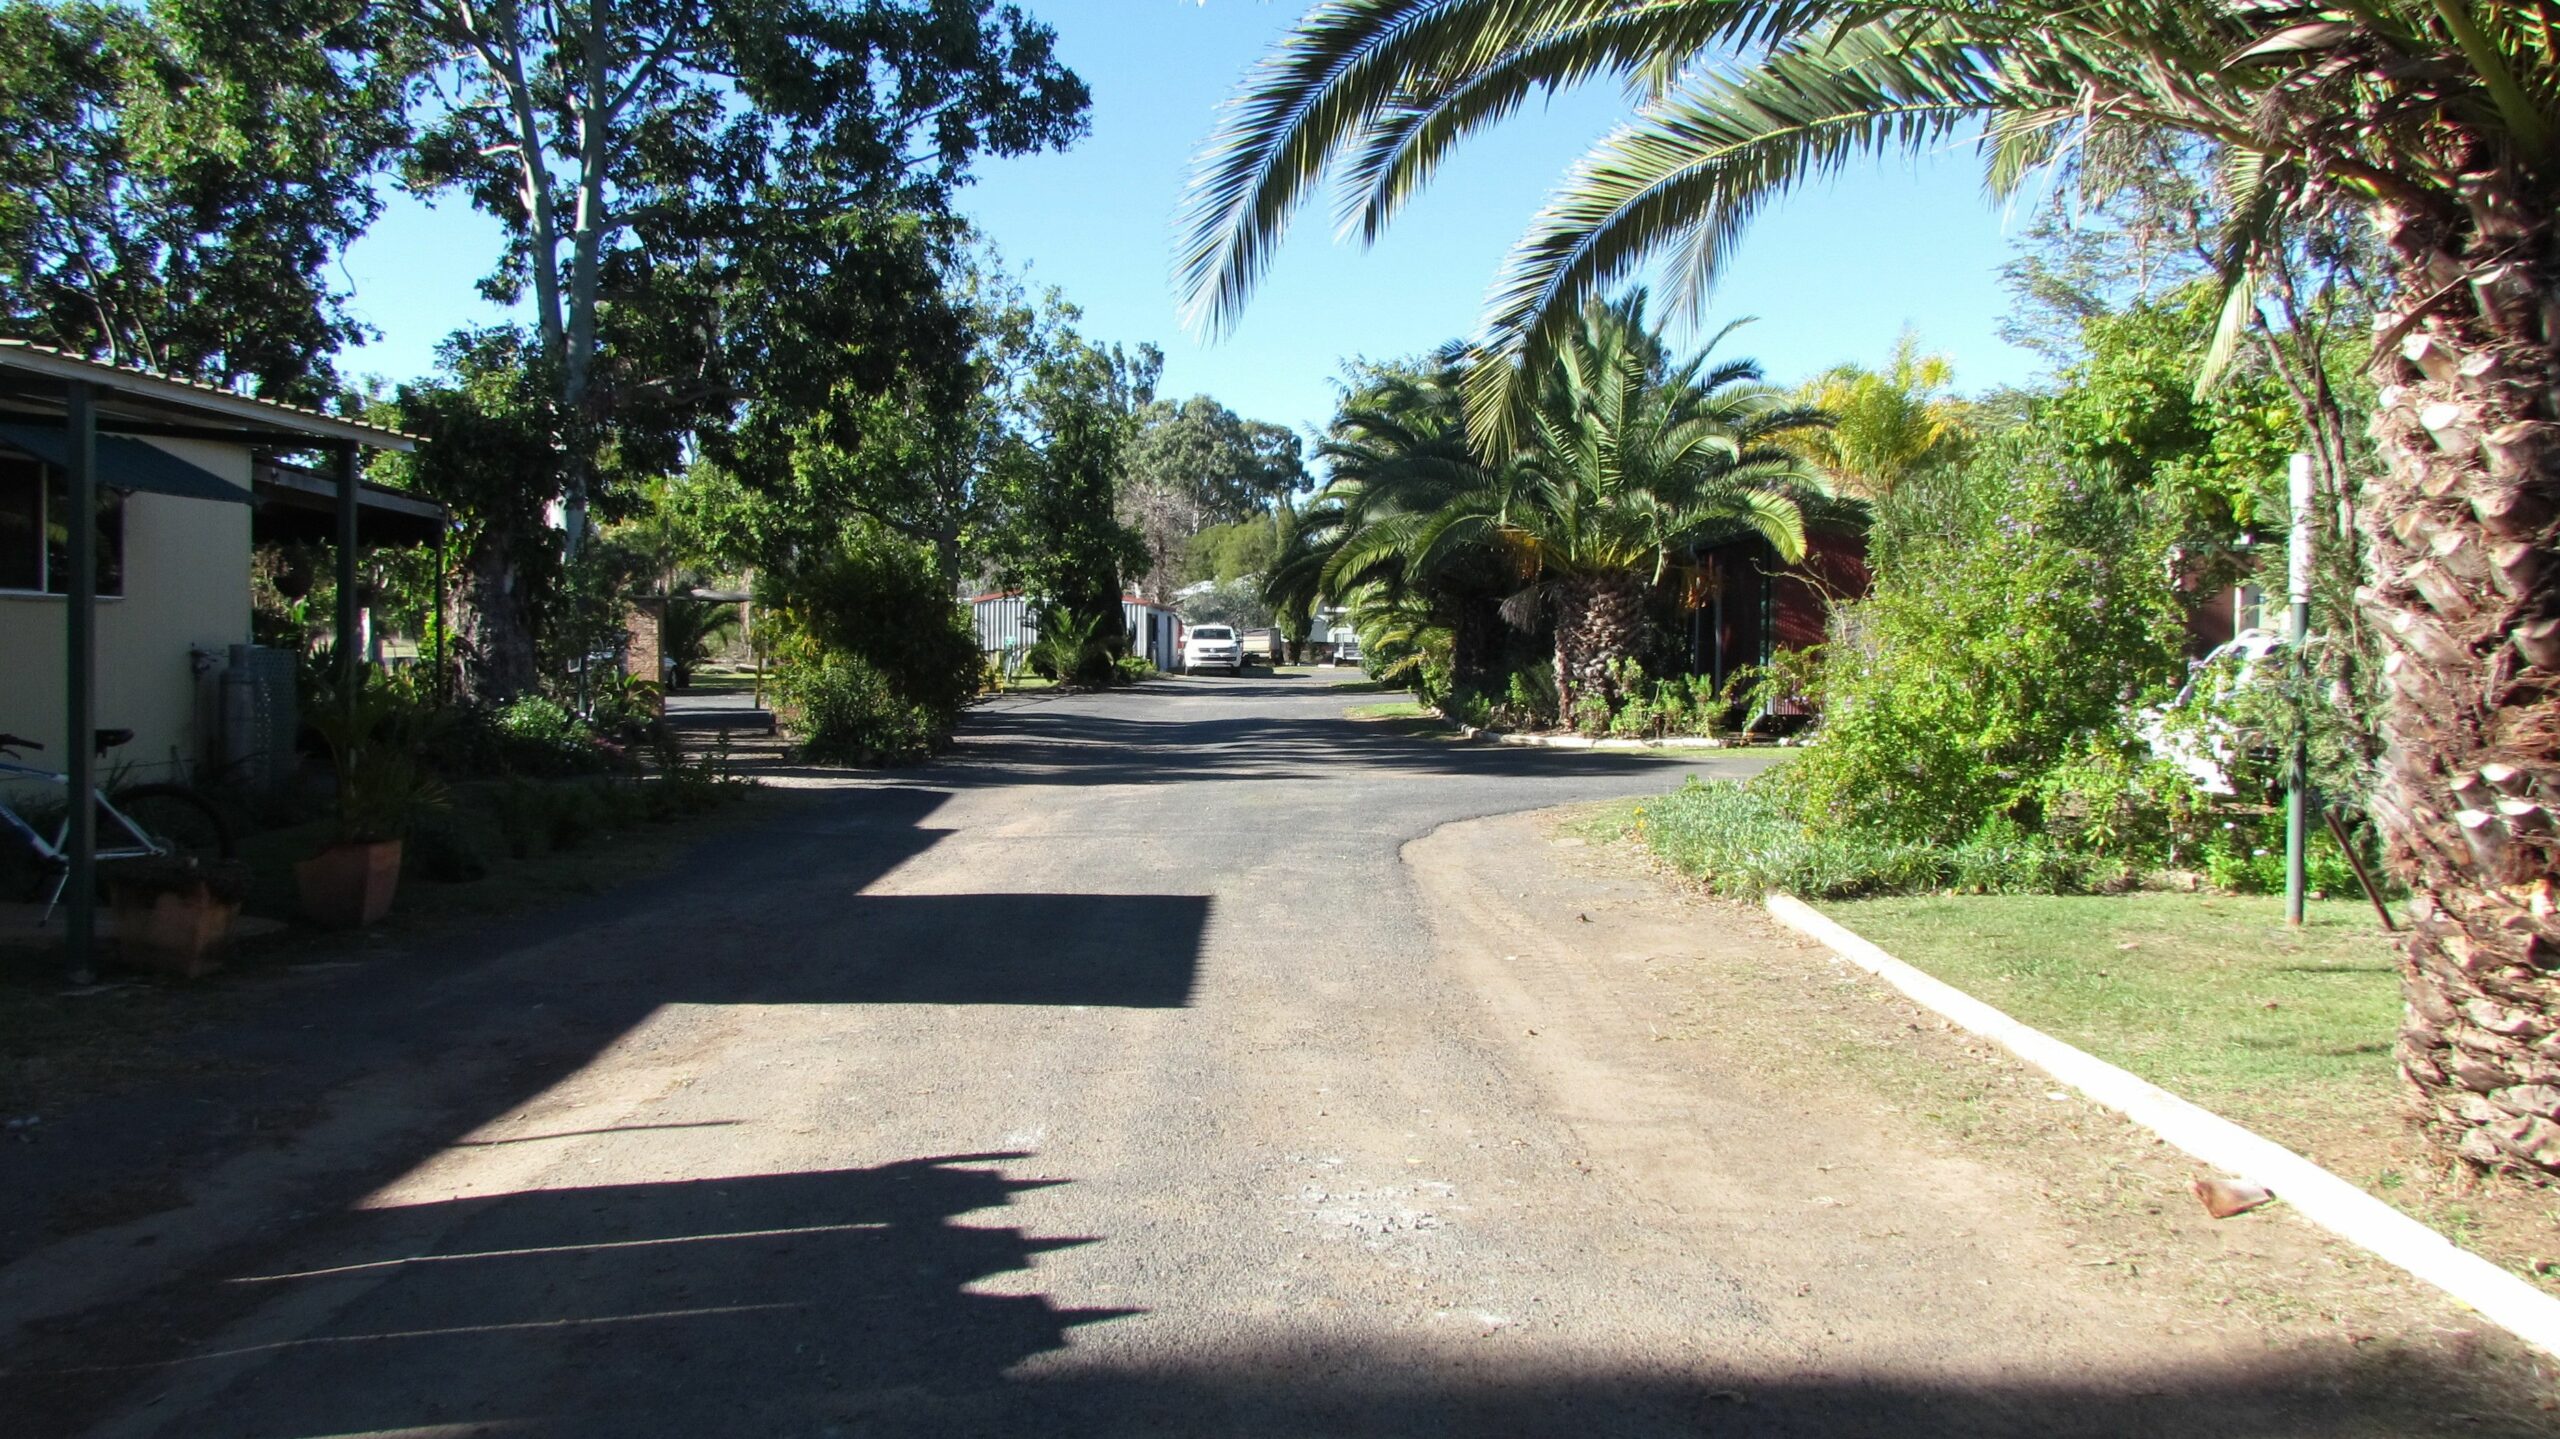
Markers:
point(1394, 709)
point(2208, 996)
point(2212, 998)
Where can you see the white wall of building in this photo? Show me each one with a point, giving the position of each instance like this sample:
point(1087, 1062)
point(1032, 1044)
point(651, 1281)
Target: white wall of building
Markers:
point(186, 586)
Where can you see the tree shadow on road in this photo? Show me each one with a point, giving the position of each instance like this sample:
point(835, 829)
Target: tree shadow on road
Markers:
point(859, 1302)
point(888, 1301)
point(494, 1016)
point(1178, 747)
point(713, 1306)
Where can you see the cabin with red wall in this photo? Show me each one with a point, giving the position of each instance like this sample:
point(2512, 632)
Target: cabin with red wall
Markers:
point(1757, 605)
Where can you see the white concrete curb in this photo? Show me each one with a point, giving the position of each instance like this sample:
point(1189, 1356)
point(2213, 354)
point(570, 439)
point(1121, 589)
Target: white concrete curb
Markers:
point(1576, 741)
point(2318, 1195)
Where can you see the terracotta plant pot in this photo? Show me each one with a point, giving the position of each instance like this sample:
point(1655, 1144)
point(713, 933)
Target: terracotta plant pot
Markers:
point(176, 932)
point(347, 886)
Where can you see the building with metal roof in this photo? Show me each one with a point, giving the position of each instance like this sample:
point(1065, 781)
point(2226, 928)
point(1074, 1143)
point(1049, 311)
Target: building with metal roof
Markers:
point(128, 506)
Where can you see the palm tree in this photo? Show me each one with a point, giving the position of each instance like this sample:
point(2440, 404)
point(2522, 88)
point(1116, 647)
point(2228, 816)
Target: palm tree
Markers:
point(1886, 425)
point(2437, 120)
point(1398, 455)
point(687, 629)
point(1631, 461)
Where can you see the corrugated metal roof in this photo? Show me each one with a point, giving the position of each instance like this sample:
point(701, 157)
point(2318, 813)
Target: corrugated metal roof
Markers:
point(196, 397)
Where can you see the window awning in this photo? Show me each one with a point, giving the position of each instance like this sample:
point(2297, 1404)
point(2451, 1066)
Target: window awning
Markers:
point(128, 464)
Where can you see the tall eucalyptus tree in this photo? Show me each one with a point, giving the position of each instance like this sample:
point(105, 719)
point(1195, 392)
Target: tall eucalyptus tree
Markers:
point(616, 136)
point(710, 200)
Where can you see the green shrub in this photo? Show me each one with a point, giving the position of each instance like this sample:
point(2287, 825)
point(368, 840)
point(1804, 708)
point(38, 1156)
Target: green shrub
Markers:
point(1741, 839)
point(845, 711)
point(2003, 858)
point(1591, 715)
point(2246, 856)
point(533, 736)
point(1132, 669)
point(1529, 697)
point(1073, 648)
point(2020, 612)
point(1468, 706)
point(534, 720)
point(624, 707)
point(523, 815)
point(572, 814)
point(1658, 709)
point(871, 648)
point(625, 804)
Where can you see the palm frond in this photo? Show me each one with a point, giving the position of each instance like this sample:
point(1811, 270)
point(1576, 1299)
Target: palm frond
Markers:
point(1353, 65)
point(1700, 165)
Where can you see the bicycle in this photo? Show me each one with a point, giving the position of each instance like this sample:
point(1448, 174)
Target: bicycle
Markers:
point(157, 821)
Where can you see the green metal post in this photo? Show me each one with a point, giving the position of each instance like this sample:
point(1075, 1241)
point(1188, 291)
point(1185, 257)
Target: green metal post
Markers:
point(80, 643)
point(2297, 799)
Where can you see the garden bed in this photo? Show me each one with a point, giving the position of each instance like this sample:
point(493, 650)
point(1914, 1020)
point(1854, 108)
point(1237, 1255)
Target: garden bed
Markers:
point(2211, 997)
point(539, 844)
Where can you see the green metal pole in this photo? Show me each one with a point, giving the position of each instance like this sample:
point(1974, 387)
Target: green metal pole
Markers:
point(80, 643)
point(2297, 800)
point(350, 653)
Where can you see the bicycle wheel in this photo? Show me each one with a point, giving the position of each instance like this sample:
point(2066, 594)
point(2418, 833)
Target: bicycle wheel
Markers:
point(174, 818)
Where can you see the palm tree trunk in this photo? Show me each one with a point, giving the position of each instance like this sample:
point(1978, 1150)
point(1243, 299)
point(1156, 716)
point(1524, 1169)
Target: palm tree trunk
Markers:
point(1616, 631)
point(1572, 602)
point(2464, 591)
point(1475, 628)
point(1599, 621)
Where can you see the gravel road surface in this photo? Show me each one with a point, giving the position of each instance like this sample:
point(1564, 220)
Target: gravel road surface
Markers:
point(1118, 1074)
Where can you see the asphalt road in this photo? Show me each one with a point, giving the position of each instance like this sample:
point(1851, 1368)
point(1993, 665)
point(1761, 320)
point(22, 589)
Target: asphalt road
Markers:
point(1100, 1079)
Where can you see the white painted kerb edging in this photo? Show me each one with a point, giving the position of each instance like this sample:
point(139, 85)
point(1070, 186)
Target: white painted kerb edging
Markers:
point(1578, 741)
point(2315, 1193)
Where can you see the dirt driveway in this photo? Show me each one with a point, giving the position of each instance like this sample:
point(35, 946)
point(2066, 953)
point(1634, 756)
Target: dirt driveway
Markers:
point(1161, 1064)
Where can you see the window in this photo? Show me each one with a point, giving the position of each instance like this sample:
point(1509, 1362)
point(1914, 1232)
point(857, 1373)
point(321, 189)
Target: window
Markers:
point(35, 536)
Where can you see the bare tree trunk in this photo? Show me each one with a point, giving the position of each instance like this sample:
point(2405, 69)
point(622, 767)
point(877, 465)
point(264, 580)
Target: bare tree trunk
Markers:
point(589, 226)
point(493, 620)
point(2466, 597)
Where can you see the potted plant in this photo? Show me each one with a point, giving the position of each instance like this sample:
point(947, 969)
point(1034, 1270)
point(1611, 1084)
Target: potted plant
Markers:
point(373, 739)
point(172, 914)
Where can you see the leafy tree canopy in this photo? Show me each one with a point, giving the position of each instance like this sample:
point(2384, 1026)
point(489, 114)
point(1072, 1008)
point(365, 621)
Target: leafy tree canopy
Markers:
point(1222, 465)
point(1196, 464)
point(694, 188)
point(1062, 542)
point(2131, 403)
point(176, 180)
point(1886, 425)
point(1226, 554)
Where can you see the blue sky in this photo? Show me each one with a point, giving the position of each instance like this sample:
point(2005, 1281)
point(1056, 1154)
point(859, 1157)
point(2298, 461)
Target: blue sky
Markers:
point(1834, 275)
